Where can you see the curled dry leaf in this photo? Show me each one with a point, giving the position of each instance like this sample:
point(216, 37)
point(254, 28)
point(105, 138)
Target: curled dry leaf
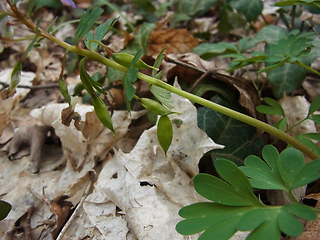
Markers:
point(91, 143)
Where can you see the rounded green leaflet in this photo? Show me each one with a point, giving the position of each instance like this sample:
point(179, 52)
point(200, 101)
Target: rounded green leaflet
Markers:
point(164, 132)
point(125, 59)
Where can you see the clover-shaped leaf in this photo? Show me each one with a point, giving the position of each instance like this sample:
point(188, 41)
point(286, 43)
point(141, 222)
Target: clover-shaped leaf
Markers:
point(237, 191)
point(285, 171)
point(236, 208)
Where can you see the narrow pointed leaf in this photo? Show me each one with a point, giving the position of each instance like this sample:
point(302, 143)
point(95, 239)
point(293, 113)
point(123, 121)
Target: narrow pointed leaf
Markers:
point(64, 91)
point(15, 75)
point(86, 22)
point(102, 112)
point(164, 132)
point(315, 105)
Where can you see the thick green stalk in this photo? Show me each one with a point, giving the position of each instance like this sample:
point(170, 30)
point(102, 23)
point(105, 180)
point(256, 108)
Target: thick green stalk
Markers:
point(216, 107)
point(233, 114)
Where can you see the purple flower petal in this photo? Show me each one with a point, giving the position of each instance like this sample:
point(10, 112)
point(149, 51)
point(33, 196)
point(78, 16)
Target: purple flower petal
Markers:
point(68, 3)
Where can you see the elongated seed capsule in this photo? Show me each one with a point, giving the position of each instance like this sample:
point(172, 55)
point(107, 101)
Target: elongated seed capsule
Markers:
point(154, 107)
point(125, 59)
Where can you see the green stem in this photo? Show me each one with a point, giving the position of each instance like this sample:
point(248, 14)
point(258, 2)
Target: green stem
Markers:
point(296, 124)
point(307, 67)
point(233, 114)
point(216, 107)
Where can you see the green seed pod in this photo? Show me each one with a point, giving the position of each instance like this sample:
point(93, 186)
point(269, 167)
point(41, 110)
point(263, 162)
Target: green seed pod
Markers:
point(125, 59)
point(154, 107)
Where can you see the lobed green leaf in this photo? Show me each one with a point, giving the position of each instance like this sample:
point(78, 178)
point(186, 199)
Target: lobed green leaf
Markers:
point(208, 50)
point(250, 9)
point(86, 22)
point(100, 32)
point(274, 107)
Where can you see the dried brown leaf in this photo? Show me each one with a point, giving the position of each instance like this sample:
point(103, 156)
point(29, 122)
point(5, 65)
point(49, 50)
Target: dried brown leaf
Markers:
point(32, 136)
point(174, 40)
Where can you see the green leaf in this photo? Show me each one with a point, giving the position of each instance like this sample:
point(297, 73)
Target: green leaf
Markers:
point(300, 210)
point(238, 138)
point(86, 22)
point(15, 76)
point(315, 106)
point(64, 91)
point(268, 230)
point(274, 107)
point(164, 132)
point(254, 218)
point(290, 163)
point(282, 124)
point(232, 174)
point(236, 208)
point(141, 38)
point(202, 216)
point(251, 9)
point(100, 32)
point(157, 64)
point(5, 208)
point(264, 175)
point(286, 171)
point(208, 50)
point(316, 118)
point(314, 136)
point(286, 78)
point(289, 224)
point(88, 82)
point(309, 143)
point(297, 2)
point(270, 34)
point(47, 3)
point(221, 192)
point(163, 95)
point(309, 173)
point(131, 77)
point(102, 112)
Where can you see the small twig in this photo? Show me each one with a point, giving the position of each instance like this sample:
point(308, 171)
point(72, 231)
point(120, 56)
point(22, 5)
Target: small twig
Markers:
point(68, 223)
point(37, 87)
point(26, 226)
point(203, 76)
